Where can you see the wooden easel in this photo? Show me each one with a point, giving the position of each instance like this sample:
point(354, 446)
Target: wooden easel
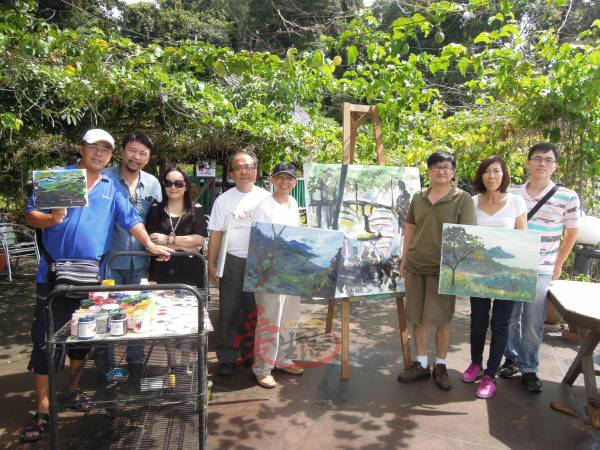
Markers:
point(353, 117)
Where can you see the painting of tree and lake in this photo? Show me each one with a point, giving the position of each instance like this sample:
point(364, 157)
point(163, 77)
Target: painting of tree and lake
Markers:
point(290, 260)
point(65, 188)
point(489, 262)
point(368, 203)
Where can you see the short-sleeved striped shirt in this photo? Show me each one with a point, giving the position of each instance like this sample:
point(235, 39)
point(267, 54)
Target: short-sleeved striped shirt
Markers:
point(560, 211)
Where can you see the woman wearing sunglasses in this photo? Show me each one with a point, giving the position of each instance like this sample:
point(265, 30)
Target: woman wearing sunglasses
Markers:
point(179, 224)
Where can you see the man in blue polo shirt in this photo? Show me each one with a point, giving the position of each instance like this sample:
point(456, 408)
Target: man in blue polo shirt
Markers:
point(79, 233)
point(143, 189)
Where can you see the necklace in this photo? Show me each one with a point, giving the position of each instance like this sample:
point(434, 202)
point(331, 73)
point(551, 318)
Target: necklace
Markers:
point(173, 228)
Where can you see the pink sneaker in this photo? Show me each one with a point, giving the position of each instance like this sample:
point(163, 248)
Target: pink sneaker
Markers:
point(486, 387)
point(473, 372)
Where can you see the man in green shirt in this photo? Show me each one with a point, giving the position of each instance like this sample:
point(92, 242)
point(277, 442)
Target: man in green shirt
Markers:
point(426, 308)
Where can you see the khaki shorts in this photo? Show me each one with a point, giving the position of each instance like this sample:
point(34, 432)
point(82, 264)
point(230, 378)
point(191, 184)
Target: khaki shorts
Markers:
point(424, 306)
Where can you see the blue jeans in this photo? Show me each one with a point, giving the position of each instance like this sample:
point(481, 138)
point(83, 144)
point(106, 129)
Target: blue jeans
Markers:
point(526, 328)
point(105, 357)
point(480, 321)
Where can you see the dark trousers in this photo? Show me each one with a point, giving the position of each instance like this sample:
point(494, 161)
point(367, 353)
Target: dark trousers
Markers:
point(480, 320)
point(62, 310)
point(237, 313)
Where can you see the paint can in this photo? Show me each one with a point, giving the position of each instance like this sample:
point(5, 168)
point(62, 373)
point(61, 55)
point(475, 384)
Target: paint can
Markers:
point(102, 322)
point(86, 327)
point(118, 324)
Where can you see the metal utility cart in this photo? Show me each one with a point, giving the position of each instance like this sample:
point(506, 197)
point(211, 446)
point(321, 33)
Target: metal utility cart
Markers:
point(165, 406)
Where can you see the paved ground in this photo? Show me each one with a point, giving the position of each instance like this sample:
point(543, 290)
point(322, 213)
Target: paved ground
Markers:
point(319, 410)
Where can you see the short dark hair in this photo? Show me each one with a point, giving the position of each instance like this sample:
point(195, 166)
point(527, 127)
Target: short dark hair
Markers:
point(188, 202)
point(478, 185)
point(249, 153)
point(138, 136)
point(543, 147)
point(438, 157)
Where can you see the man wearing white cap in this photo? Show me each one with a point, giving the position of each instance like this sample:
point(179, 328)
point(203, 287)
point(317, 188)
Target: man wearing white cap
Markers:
point(81, 233)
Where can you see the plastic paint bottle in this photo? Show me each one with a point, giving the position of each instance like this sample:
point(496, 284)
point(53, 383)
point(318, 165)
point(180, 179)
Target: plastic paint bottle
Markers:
point(172, 378)
point(75, 323)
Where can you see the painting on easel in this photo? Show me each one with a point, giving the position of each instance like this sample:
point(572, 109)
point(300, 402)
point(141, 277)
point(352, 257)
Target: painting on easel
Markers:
point(368, 203)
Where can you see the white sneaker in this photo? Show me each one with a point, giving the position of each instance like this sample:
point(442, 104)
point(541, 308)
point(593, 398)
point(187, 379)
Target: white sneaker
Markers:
point(266, 381)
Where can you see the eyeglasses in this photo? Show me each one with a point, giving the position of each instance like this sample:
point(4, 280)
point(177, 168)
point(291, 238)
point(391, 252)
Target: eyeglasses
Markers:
point(441, 169)
point(540, 160)
point(177, 183)
point(102, 149)
point(247, 168)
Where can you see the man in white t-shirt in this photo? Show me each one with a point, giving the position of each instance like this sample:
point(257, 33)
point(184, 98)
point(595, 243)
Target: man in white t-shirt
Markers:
point(232, 213)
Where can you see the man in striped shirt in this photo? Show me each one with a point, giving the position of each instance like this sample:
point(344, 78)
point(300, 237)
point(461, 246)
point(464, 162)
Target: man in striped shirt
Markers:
point(557, 221)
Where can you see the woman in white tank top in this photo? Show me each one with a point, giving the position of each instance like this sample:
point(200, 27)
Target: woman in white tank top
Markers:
point(494, 207)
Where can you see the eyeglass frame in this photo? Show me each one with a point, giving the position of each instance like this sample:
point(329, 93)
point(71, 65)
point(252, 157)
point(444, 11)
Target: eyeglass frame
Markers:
point(442, 169)
point(540, 160)
point(103, 150)
point(246, 167)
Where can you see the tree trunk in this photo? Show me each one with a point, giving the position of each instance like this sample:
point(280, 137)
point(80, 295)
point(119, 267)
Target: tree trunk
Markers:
point(340, 196)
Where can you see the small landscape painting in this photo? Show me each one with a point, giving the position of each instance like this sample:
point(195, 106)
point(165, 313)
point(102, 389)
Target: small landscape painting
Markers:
point(65, 188)
point(489, 262)
point(290, 260)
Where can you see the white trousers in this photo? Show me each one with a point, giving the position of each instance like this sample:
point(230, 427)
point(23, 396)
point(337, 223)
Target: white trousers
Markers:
point(274, 339)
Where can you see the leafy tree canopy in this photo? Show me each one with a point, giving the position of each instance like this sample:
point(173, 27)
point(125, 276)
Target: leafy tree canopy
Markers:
point(478, 77)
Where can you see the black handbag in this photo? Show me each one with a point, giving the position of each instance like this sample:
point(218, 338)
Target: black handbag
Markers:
point(74, 272)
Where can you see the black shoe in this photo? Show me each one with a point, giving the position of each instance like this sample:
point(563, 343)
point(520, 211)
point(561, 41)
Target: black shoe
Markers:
point(226, 369)
point(531, 382)
point(508, 369)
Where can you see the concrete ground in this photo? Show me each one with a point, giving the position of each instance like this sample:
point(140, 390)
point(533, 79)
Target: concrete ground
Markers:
point(371, 410)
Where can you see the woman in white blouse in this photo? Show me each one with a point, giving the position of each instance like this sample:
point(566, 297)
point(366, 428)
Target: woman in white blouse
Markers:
point(274, 341)
point(494, 207)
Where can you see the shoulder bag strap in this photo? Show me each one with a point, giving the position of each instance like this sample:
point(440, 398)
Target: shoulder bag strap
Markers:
point(542, 201)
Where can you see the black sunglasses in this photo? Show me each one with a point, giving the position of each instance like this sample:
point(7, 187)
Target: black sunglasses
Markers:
point(177, 183)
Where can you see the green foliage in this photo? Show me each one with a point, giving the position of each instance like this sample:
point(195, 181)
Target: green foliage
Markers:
point(491, 84)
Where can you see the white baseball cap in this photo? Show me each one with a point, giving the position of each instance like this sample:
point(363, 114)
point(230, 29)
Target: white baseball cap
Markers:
point(96, 135)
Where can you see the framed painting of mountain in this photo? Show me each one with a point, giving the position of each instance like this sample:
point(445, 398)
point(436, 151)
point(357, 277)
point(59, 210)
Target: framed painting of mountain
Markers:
point(489, 262)
point(283, 259)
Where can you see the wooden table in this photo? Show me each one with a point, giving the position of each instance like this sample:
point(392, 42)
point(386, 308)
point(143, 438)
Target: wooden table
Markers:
point(579, 303)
